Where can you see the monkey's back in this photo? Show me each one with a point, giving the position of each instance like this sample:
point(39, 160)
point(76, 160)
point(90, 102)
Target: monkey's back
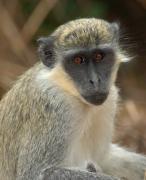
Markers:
point(27, 114)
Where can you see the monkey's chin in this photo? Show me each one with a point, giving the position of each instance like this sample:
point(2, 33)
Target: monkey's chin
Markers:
point(97, 99)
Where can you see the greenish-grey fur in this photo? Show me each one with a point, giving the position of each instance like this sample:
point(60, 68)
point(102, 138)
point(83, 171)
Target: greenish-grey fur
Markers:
point(83, 32)
point(65, 174)
point(18, 126)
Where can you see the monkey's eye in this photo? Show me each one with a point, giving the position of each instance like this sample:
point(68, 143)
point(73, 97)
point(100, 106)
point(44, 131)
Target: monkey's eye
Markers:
point(98, 57)
point(79, 60)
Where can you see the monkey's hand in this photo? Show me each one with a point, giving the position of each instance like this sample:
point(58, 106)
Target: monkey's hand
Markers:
point(125, 164)
point(69, 174)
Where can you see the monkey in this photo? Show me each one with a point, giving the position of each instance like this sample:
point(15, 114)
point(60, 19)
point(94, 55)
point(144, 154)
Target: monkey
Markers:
point(60, 114)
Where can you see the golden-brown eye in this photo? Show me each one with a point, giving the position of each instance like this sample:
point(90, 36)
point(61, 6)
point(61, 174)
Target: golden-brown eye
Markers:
point(78, 60)
point(98, 57)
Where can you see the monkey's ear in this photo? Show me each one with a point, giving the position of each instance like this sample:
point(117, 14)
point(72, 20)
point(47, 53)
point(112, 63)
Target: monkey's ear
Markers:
point(46, 53)
point(115, 27)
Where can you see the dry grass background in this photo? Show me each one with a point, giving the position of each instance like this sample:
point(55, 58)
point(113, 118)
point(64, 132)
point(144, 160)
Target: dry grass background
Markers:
point(18, 53)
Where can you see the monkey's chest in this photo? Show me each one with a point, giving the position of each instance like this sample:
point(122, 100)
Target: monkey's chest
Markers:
point(91, 142)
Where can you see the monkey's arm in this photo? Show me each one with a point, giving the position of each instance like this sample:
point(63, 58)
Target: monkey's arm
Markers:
point(123, 163)
point(69, 174)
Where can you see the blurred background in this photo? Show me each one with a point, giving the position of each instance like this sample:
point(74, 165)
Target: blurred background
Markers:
point(23, 21)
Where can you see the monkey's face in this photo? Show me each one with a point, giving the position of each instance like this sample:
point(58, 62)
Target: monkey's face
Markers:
point(91, 70)
point(87, 51)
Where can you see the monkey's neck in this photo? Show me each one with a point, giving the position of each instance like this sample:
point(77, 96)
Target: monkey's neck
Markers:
point(93, 138)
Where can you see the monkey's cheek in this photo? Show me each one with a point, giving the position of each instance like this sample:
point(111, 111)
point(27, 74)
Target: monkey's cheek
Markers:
point(96, 99)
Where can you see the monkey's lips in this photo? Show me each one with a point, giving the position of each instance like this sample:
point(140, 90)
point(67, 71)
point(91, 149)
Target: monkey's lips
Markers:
point(96, 99)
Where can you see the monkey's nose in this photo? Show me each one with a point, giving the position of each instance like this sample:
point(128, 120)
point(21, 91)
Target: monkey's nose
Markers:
point(94, 82)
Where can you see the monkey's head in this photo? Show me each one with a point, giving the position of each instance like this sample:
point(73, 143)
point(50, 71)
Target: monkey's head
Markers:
point(84, 56)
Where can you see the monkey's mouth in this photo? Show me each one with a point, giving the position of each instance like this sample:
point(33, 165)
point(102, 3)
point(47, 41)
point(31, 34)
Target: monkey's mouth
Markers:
point(96, 99)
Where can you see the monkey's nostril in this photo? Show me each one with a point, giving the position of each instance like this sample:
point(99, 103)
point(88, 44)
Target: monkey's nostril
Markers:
point(91, 82)
point(99, 80)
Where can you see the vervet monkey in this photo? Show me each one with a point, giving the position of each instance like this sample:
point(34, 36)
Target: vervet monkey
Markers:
point(60, 113)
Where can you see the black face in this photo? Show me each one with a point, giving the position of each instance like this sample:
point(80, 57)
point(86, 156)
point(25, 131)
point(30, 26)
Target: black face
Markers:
point(91, 70)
